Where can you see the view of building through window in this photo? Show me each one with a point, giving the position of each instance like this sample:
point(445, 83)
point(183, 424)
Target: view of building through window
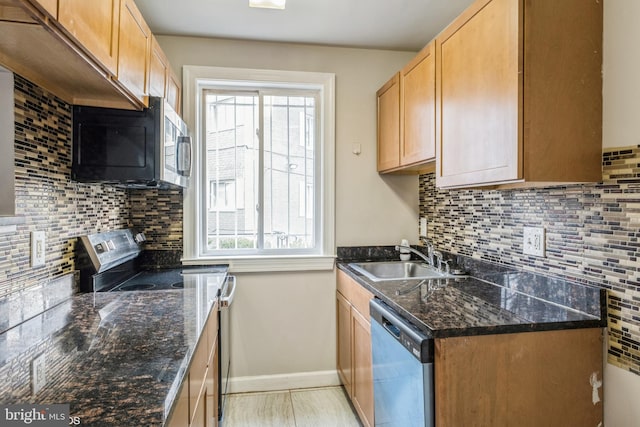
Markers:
point(261, 176)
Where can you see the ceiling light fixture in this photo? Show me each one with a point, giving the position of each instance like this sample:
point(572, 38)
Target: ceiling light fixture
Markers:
point(268, 4)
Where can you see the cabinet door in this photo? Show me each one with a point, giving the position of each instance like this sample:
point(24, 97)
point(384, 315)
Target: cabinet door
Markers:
point(211, 380)
point(418, 108)
point(525, 379)
point(343, 313)
point(198, 377)
point(478, 87)
point(212, 402)
point(174, 91)
point(51, 6)
point(362, 397)
point(94, 24)
point(389, 125)
point(134, 46)
point(180, 416)
point(200, 413)
point(158, 67)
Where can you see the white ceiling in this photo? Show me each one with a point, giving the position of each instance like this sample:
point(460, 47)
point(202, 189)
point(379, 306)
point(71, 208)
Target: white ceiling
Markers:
point(379, 24)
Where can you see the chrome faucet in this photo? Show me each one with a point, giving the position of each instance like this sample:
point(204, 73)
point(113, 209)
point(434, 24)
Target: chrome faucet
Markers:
point(430, 249)
point(434, 257)
point(441, 261)
point(427, 259)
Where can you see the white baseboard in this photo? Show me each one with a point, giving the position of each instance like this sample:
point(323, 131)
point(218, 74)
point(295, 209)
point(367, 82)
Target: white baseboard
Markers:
point(283, 381)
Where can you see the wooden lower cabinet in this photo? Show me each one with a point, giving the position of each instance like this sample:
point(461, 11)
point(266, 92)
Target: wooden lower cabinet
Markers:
point(50, 6)
point(180, 416)
point(525, 379)
point(528, 379)
point(343, 312)
point(362, 396)
point(354, 345)
point(196, 404)
point(200, 411)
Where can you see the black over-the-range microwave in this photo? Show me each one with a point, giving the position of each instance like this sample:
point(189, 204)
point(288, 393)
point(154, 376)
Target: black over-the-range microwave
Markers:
point(136, 149)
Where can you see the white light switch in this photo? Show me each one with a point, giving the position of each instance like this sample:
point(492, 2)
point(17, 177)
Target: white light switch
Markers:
point(423, 226)
point(534, 241)
point(37, 248)
point(38, 373)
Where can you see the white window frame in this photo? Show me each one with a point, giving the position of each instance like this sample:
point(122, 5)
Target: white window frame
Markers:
point(195, 78)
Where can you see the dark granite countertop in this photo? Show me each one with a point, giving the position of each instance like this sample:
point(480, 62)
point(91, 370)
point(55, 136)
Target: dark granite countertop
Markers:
point(490, 300)
point(118, 362)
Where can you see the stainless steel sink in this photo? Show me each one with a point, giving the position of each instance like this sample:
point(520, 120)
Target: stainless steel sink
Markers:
point(398, 270)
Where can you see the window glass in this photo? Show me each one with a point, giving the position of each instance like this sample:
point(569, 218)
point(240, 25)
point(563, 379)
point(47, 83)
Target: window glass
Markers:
point(261, 169)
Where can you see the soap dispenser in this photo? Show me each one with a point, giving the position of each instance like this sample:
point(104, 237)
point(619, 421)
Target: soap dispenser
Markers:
point(405, 254)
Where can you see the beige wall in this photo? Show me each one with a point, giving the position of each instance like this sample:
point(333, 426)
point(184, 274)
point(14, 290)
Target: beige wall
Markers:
point(293, 314)
point(284, 324)
point(621, 127)
point(366, 203)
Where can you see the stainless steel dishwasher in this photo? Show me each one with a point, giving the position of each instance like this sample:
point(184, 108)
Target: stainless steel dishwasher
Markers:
point(402, 370)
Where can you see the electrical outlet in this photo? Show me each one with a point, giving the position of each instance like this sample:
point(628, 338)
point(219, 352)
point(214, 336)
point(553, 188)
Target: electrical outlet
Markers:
point(38, 373)
point(37, 248)
point(423, 226)
point(534, 241)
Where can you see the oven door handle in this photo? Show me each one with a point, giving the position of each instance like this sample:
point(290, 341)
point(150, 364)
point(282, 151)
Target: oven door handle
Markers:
point(227, 299)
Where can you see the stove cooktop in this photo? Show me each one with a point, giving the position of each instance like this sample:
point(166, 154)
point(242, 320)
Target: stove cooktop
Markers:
point(174, 278)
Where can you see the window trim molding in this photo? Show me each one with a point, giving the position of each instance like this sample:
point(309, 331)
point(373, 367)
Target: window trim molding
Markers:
point(196, 77)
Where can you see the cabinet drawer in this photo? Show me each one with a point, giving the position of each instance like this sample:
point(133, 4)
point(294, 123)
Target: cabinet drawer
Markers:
point(353, 292)
point(197, 372)
point(360, 300)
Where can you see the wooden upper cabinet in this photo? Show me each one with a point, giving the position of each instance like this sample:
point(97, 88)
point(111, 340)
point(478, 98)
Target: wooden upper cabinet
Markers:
point(174, 91)
point(389, 124)
point(519, 94)
point(50, 6)
point(134, 48)
point(94, 24)
point(417, 108)
point(406, 116)
point(162, 80)
point(158, 66)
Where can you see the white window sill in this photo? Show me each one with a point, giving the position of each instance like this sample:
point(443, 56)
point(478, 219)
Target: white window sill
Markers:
point(260, 264)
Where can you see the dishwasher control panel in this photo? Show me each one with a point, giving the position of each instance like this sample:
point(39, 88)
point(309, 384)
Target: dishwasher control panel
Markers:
point(416, 342)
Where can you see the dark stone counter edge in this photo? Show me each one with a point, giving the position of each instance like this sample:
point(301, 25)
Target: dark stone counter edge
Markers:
point(474, 331)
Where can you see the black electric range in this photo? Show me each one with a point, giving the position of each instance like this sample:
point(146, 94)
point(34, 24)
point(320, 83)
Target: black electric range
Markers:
point(109, 261)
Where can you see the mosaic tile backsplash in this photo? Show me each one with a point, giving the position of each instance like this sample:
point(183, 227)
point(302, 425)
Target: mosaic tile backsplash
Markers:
point(592, 230)
point(592, 236)
point(46, 197)
point(49, 201)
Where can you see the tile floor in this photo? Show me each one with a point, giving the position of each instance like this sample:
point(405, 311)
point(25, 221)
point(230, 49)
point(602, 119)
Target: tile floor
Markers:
point(318, 407)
